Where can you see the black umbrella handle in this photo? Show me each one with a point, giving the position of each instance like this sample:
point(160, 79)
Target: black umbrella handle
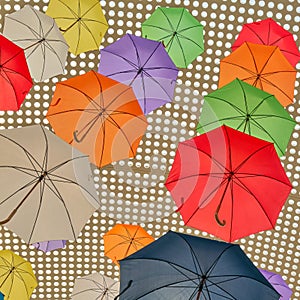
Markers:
point(127, 287)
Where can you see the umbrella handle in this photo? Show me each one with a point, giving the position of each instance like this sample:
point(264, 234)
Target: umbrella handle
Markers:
point(127, 287)
point(221, 223)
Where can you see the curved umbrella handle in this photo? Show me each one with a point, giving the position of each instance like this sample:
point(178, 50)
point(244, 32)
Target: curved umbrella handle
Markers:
point(223, 222)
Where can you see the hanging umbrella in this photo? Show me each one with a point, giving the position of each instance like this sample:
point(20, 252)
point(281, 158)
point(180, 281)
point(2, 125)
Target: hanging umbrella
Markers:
point(123, 240)
point(82, 23)
point(278, 284)
point(250, 110)
point(179, 266)
point(17, 280)
point(143, 64)
point(47, 190)
point(268, 32)
point(1, 296)
point(45, 48)
point(264, 67)
point(15, 80)
point(178, 30)
point(99, 116)
point(228, 183)
point(50, 245)
point(95, 287)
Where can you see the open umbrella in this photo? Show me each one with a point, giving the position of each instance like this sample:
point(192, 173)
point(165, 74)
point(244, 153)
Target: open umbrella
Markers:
point(50, 245)
point(143, 64)
point(250, 110)
point(82, 23)
point(178, 30)
point(264, 67)
point(47, 189)
point(95, 286)
point(17, 280)
point(125, 239)
point(1, 296)
point(99, 116)
point(45, 48)
point(228, 183)
point(15, 80)
point(178, 266)
point(269, 32)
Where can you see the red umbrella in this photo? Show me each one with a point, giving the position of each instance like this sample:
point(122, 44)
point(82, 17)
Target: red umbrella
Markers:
point(15, 80)
point(228, 183)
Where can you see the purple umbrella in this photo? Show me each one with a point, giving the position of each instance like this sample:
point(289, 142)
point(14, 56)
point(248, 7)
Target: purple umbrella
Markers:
point(278, 284)
point(50, 245)
point(143, 64)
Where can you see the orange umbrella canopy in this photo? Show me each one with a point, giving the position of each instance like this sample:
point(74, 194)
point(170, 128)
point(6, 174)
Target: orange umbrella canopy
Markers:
point(123, 240)
point(262, 66)
point(99, 116)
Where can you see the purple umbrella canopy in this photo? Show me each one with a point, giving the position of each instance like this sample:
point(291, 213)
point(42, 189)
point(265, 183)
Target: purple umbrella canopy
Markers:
point(48, 246)
point(278, 284)
point(143, 64)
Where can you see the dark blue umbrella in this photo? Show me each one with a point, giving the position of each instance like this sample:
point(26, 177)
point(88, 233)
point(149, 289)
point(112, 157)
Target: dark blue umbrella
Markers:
point(184, 267)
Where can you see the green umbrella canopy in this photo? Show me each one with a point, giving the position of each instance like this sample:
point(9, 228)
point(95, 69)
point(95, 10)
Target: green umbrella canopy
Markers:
point(178, 30)
point(250, 110)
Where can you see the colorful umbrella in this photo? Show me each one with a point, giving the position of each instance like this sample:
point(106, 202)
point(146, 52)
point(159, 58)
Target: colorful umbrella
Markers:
point(82, 23)
point(95, 287)
point(123, 240)
point(45, 48)
point(1, 296)
point(268, 32)
point(278, 284)
point(178, 30)
point(143, 64)
point(264, 67)
point(15, 80)
point(250, 110)
point(178, 266)
point(99, 116)
point(17, 280)
point(228, 183)
point(47, 189)
point(50, 245)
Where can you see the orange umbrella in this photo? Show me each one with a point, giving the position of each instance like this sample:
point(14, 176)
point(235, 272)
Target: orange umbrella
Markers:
point(99, 116)
point(262, 66)
point(123, 240)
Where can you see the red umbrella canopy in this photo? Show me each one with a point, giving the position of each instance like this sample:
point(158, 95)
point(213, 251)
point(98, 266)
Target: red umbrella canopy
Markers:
point(15, 80)
point(228, 183)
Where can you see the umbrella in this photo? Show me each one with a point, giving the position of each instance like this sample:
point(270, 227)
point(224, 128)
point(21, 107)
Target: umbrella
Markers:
point(47, 190)
point(17, 280)
point(228, 183)
point(278, 284)
point(99, 116)
point(95, 287)
point(264, 67)
point(269, 32)
point(180, 32)
point(1, 296)
point(15, 80)
point(179, 266)
point(48, 246)
point(250, 110)
point(143, 64)
point(45, 47)
point(123, 240)
point(82, 23)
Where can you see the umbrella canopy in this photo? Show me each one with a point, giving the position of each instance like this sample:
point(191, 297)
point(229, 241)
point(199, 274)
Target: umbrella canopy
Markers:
point(179, 266)
point(99, 116)
point(269, 32)
point(45, 47)
point(82, 23)
point(278, 284)
point(1, 296)
point(95, 287)
point(228, 183)
point(17, 280)
point(50, 245)
point(143, 64)
point(123, 240)
point(264, 67)
point(250, 110)
point(178, 30)
point(15, 80)
point(47, 190)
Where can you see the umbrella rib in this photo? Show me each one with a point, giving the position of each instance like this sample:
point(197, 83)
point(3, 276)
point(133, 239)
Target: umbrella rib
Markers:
point(132, 64)
point(69, 8)
point(267, 61)
point(90, 32)
point(7, 79)
point(21, 169)
point(248, 175)
point(241, 67)
point(120, 112)
point(260, 103)
point(255, 33)
point(224, 291)
point(131, 240)
point(14, 72)
point(253, 58)
point(92, 111)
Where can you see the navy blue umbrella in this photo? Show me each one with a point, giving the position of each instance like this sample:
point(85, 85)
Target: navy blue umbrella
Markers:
point(184, 267)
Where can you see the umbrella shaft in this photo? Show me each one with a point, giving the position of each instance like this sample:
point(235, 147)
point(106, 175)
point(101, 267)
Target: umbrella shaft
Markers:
point(200, 289)
point(7, 277)
point(68, 28)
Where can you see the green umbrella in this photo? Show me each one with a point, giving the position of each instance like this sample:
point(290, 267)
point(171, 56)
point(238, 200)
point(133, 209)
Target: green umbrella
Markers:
point(178, 30)
point(250, 110)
